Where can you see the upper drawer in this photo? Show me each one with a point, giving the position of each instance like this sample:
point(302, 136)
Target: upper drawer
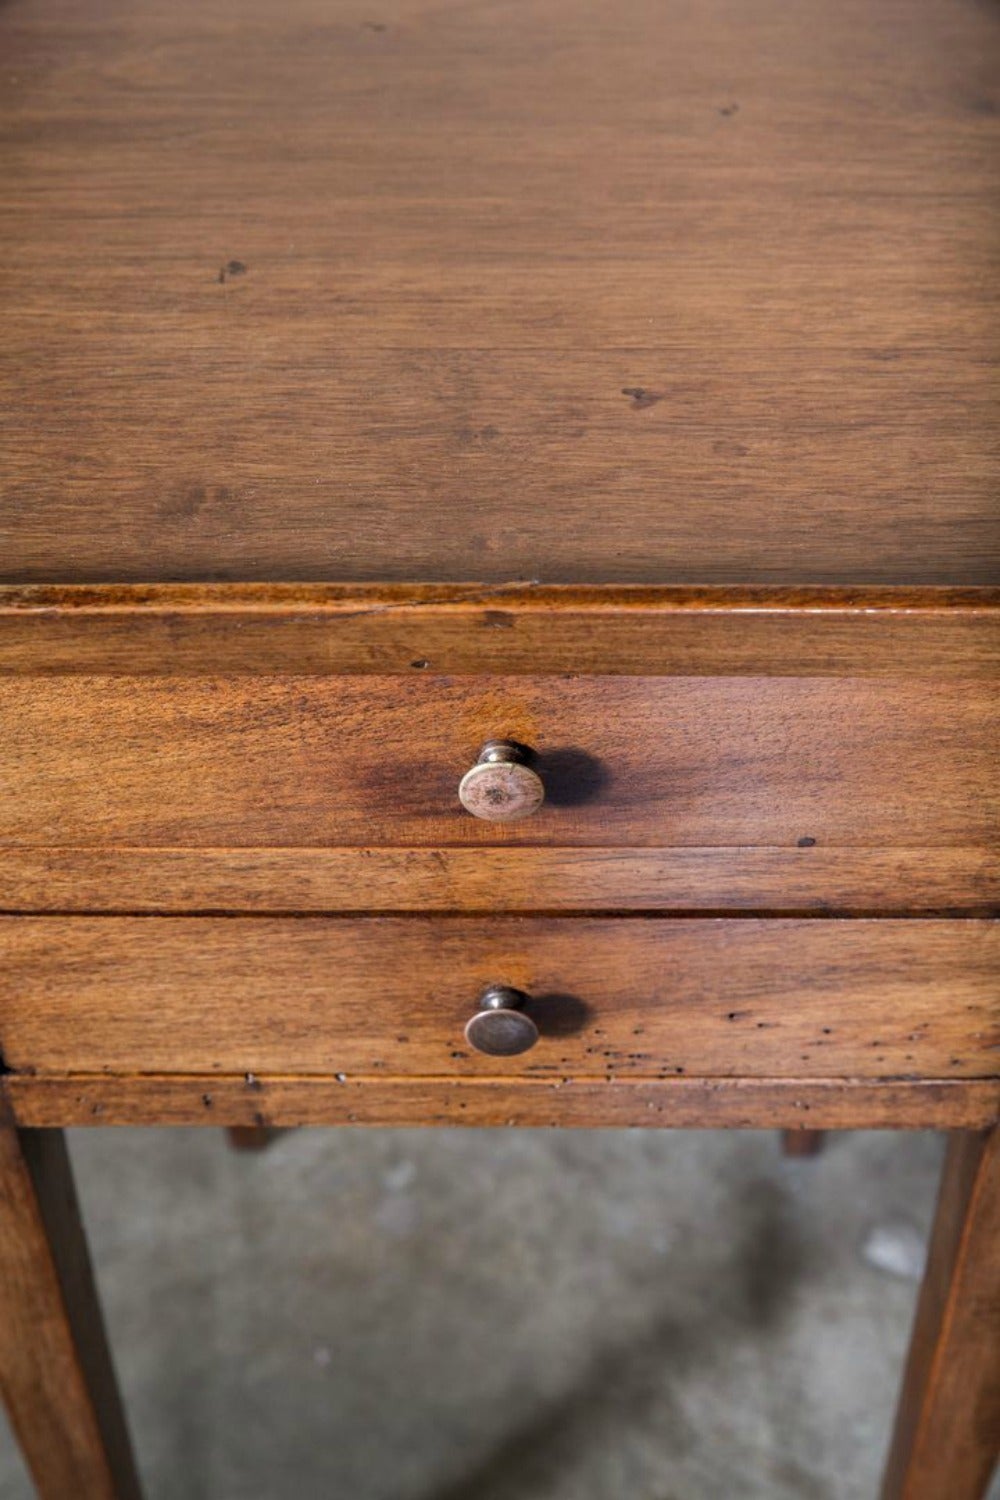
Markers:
point(310, 760)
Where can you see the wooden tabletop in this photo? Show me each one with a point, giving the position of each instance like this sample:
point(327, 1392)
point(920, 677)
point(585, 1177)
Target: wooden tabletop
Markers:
point(587, 291)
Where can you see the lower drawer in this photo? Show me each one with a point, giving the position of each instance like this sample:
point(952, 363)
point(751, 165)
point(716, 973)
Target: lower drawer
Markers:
point(390, 996)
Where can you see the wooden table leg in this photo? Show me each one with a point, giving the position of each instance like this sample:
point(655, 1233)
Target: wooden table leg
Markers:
point(56, 1375)
point(802, 1142)
point(251, 1137)
point(947, 1435)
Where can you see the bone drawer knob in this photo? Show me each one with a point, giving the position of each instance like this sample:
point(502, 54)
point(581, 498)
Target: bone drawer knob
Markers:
point(501, 787)
point(500, 1028)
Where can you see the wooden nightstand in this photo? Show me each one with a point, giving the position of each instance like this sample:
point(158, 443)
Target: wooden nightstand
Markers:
point(669, 327)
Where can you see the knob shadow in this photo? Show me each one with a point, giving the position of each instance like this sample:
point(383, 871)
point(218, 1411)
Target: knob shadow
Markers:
point(558, 1015)
point(572, 777)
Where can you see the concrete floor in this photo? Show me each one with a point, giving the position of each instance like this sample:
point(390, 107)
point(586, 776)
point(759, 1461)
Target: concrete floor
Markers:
point(505, 1315)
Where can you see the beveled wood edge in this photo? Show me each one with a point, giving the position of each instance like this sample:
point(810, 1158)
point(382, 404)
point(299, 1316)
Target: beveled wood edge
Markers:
point(516, 628)
point(801, 881)
point(682, 1103)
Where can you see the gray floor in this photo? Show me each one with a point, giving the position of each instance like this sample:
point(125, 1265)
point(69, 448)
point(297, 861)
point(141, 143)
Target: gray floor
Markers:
point(505, 1315)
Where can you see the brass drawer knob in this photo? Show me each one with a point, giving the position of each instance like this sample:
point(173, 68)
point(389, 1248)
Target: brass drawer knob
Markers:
point(501, 787)
point(500, 1028)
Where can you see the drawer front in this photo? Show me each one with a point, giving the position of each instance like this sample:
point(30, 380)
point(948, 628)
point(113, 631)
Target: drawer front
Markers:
point(612, 998)
point(626, 762)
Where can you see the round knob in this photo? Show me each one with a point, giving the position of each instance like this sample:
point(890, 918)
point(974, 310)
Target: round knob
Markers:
point(501, 787)
point(500, 1028)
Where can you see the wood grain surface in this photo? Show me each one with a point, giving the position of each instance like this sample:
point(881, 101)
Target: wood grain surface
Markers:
point(208, 629)
point(308, 761)
point(620, 292)
point(267, 1100)
point(486, 295)
point(812, 880)
point(381, 996)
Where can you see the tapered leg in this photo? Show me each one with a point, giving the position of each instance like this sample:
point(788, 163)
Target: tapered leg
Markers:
point(802, 1142)
point(947, 1435)
point(251, 1137)
point(55, 1369)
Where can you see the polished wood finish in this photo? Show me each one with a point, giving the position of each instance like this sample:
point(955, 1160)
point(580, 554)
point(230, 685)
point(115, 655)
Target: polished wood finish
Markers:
point(663, 293)
point(230, 762)
point(56, 1376)
point(618, 379)
point(508, 628)
point(391, 995)
point(675, 1103)
point(811, 880)
point(947, 1435)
